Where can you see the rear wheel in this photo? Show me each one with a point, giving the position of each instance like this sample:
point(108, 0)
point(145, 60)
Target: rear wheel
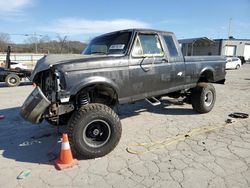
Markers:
point(94, 131)
point(203, 97)
point(12, 80)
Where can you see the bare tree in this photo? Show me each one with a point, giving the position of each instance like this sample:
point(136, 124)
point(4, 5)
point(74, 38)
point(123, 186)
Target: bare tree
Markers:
point(44, 44)
point(63, 44)
point(4, 41)
point(44, 39)
point(32, 41)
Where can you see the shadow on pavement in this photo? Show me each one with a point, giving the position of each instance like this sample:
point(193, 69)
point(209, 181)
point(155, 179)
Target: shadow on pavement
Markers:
point(168, 107)
point(25, 142)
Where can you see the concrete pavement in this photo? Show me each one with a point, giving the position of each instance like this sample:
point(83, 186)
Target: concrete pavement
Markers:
point(173, 145)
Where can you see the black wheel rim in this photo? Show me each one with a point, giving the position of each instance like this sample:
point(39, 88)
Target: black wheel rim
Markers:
point(96, 133)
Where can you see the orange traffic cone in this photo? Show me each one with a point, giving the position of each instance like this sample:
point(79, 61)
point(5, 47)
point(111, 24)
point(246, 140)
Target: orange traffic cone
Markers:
point(66, 159)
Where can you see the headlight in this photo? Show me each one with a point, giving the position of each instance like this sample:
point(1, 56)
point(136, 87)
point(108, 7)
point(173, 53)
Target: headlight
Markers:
point(60, 80)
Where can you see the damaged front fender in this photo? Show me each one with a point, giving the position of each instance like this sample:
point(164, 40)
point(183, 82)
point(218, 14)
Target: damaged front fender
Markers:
point(34, 106)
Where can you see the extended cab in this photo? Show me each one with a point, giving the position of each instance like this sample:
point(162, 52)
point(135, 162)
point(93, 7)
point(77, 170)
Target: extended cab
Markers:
point(80, 91)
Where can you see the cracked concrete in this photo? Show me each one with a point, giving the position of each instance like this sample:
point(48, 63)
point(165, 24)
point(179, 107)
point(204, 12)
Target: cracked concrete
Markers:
point(216, 158)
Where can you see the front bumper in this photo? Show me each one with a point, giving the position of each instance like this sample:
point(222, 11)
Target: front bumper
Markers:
point(34, 106)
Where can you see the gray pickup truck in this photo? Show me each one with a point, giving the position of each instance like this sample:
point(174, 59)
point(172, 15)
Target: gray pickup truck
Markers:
point(80, 91)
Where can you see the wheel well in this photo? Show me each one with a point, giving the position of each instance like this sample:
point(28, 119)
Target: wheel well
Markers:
point(206, 76)
point(97, 93)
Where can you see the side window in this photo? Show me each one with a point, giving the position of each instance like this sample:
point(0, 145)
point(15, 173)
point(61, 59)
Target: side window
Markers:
point(171, 46)
point(147, 45)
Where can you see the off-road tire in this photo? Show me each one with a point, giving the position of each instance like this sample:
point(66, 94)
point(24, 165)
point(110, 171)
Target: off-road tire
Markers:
point(203, 97)
point(12, 80)
point(80, 133)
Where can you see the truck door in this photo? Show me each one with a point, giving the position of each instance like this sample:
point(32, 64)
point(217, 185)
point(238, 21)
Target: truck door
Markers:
point(149, 71)
point(175, 60)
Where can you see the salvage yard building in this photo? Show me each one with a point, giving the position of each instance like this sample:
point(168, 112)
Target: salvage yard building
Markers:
point(204, 46)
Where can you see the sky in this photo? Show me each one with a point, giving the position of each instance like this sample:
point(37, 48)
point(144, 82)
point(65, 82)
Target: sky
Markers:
point(82, 20)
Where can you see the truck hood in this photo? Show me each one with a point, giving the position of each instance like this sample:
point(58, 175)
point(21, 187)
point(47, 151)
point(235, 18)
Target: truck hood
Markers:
point(49, 60)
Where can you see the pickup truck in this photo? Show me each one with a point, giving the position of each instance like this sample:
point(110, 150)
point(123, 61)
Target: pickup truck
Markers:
point(81, 91)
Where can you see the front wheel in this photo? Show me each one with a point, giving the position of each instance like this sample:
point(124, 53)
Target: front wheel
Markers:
point(203, 97)
point(237, 67)
point(94, 131)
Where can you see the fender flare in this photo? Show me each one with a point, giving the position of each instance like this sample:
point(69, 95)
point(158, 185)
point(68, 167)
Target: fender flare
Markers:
point(208, 69)
point(94, 80)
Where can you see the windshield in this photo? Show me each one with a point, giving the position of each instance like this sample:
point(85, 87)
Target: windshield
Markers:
point(115, 43)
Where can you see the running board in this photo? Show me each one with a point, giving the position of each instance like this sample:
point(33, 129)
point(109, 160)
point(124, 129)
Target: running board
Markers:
point(153, 101)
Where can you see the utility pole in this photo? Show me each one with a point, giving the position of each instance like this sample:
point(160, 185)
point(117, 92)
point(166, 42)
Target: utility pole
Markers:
point(35, 42)
point(228, 35)
point(35, 38)
point(229, 27)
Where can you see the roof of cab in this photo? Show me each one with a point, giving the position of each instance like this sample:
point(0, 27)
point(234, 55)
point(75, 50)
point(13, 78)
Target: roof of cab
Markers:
point(143, 30)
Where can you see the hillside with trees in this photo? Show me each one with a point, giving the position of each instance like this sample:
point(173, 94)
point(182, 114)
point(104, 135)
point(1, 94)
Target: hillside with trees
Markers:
point(42, 45)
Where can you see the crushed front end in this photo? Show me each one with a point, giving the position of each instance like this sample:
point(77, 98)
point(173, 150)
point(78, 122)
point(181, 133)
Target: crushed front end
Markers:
point(34, 106)
point(46, 101)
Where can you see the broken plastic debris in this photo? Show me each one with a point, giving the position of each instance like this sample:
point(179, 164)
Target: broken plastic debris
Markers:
point(239, 115)
point(229, 121)
point(27, 143)
point(24, 174)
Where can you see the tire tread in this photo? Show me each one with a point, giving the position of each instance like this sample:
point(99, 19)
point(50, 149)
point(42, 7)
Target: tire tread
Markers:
point(78, 115)
point(197, 102)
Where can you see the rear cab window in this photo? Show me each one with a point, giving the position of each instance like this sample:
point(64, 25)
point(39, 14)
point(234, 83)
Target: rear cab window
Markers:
point(171, 46)
point(174, 53)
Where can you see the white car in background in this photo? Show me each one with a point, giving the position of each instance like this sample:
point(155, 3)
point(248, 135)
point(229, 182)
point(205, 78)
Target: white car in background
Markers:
point(18, 66)
point(233, 63)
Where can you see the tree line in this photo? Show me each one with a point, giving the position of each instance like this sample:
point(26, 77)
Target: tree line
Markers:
point(42, 45)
